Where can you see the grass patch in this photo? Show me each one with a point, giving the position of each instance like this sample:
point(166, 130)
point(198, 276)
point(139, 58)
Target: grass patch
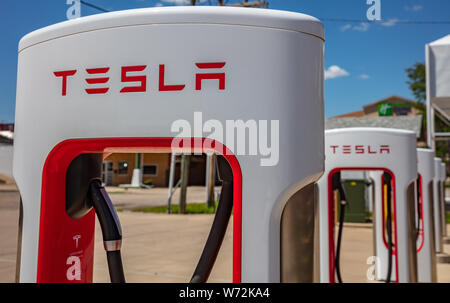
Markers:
point(447, 215)
point(191, 208)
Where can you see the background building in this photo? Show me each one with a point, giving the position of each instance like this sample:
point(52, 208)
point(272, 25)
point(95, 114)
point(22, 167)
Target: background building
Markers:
point(391, 112)
point(118, 169)
point(390, 106)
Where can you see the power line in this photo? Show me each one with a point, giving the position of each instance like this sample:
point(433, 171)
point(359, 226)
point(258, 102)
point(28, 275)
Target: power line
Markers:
point(342, 20)
point(392, 21)
point(94, 6)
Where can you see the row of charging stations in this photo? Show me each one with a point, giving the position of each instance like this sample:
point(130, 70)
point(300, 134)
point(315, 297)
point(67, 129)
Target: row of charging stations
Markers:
point(408, 202)
point(116, 82)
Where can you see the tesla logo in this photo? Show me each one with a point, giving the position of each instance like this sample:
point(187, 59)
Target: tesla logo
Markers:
point(360, 149)
point(134, 78)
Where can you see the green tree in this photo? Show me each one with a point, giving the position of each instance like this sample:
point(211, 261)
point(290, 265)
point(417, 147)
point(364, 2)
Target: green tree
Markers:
point(417, 85)
point(417, 81)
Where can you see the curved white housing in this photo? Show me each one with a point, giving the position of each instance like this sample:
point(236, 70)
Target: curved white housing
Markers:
point(263, 65)
point(443, 213)
point(437, 218)
point(380, 249)
point(371, 149)
point(426, 260)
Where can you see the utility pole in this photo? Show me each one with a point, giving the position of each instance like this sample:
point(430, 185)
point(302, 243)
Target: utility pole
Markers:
point(210, 180)
point(263, 4)
point(210, 159)
point(184, 175)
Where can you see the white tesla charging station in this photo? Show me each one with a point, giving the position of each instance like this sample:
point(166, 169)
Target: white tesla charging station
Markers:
point(426, 259)
point(372, 149)
point(426, 252)
point(116, 82)
point(438, 230)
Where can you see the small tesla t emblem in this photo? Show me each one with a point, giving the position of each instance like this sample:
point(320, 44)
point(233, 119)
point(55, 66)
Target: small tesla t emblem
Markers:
point(76, 238)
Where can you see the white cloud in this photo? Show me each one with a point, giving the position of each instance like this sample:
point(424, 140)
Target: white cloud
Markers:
point(335, 71)
point(159, 4)
point(390, 22)
point(362, 27)
point(414, 8)
point(364, 76)
point(345, 27)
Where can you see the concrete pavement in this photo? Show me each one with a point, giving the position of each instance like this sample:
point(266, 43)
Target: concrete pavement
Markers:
point(165, 248)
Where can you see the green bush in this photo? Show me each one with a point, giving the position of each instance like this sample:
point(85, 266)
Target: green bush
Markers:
point(191, 208)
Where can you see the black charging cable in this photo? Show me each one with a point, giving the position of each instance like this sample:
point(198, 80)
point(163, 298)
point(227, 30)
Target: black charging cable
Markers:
point(337, 185)
point(419, 208)
point(111, 230)
point(219, 226)
point(387, 181)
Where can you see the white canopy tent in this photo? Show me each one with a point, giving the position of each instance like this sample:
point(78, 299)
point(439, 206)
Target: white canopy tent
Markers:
point(437, 55)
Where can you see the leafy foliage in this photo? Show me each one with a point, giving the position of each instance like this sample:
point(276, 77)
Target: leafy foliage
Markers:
point(417, 81)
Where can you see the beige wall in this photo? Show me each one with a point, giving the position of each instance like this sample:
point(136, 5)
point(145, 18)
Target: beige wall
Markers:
point(160, 160)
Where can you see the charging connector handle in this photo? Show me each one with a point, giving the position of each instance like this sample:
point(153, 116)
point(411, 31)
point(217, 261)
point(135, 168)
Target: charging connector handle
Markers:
point(337, 185)
point(387, 180)
point(219, 226)
point(111, 229)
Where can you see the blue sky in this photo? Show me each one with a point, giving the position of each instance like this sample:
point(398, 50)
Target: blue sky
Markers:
point(364, 62)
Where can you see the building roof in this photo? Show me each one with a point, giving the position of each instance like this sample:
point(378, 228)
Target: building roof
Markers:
point(390, 99)
point(359, 113)
point(372, 107)
point(413, 123)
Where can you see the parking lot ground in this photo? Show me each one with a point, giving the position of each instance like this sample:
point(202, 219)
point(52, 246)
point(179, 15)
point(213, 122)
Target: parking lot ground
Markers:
point(166, 248)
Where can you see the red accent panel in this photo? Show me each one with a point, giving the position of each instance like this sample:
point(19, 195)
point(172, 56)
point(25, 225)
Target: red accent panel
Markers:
point(210, 65)
point(64, 75)
point(57, 229)
point(421, 225)
point(331, 222)
point(162, 86)
point(142, 79)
